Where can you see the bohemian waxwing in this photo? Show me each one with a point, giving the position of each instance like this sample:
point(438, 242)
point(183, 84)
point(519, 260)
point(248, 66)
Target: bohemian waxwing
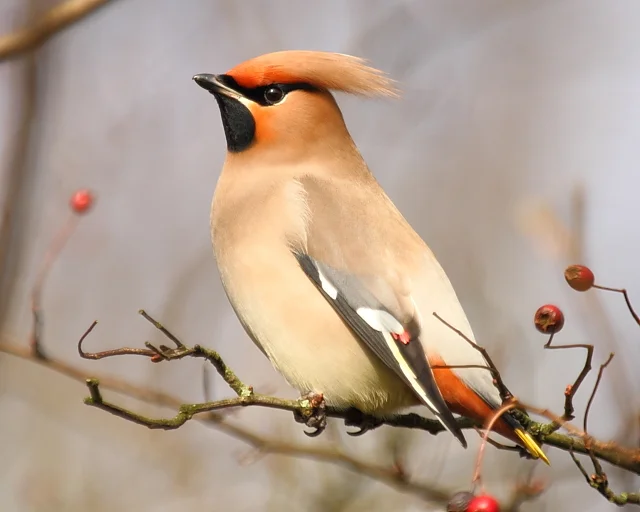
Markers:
point(325, 274)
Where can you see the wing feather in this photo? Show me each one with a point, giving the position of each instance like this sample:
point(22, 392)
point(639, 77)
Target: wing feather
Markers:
point(375, 327)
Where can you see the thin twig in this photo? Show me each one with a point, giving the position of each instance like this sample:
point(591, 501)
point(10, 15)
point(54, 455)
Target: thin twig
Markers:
point(595, 390)
point(499, 446)
point(56, 246)
point(477, 478)
point(53, 21)
point(200, 352)
point(624, 293)
point(599, 480)
point(109, 353)
point(572, 389)
point(505, 394)
point(161, 328)
point(580, 466)
point(555, 419)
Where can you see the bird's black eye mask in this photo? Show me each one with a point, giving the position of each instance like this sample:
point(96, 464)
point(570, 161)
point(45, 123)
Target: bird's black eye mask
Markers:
point(266, 95)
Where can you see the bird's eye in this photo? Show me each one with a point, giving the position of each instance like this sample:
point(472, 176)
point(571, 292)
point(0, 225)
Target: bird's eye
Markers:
point(273, 95)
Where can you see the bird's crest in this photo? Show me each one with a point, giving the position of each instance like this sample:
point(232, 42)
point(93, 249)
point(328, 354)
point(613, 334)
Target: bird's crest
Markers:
point(335, 71)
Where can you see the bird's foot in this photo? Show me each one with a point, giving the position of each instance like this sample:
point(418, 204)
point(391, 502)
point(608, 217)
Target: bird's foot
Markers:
point(312, 413)
point(523, 453)
point(364, 422)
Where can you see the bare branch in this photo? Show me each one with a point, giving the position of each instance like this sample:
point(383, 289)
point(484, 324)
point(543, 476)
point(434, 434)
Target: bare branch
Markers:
point(477, 473)
point(600, 482)
point(110, 353)
point(161, 328)
point(595, 390)
point(505, 394)
point(599, 479)
point(611, 452)
point(264, 444)
point(624, 293)
point(53, 21)
point(56, 246)
point(572, 389)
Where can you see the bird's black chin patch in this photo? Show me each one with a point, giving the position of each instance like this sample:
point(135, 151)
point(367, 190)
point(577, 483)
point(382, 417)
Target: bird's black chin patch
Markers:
point(239, 125)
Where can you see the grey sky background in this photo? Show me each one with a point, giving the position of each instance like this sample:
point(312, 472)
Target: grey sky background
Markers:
point(508, 109)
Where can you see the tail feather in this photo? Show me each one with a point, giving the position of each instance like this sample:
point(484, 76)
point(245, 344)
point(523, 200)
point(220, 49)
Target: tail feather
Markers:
point(531, 445)
point(465, 400)
point(525, 438)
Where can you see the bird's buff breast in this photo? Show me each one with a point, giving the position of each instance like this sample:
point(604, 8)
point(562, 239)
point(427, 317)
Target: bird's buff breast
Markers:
point(298, 330)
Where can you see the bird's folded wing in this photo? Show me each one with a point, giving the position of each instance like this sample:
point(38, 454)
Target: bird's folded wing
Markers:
point(380, 312)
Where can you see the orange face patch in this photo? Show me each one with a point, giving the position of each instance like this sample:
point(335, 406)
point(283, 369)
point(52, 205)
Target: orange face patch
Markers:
point(263, 117)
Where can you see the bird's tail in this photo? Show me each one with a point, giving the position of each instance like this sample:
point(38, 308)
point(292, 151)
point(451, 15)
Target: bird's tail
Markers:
point(531, 445)
point(526, 439)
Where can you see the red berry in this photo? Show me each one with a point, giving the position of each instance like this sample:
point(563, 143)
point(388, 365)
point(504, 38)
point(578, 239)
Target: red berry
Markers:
point(459, 501)
point(484, 503)
point(81, 201)
point(579, 277)
point(548, 319)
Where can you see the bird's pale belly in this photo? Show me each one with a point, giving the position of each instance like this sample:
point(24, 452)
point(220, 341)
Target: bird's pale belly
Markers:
point(305, 340)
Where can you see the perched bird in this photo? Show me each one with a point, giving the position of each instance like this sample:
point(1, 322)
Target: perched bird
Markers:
point(325, 274)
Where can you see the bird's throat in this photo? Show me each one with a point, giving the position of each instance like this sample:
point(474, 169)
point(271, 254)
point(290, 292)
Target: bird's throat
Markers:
point(239, 125)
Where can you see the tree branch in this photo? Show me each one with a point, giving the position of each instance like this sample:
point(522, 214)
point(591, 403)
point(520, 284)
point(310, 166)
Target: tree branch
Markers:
point(387, 474)
point(572, 389)
point(599, 479)
point(53, 21)
point(246, 396)
point(578, 441)
point(613, 453)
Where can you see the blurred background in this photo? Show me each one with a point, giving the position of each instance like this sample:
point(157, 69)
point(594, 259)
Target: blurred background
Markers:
point(513, 151)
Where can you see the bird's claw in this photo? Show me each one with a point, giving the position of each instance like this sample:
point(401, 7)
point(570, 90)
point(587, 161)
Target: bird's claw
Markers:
point(312, 413)
point(523, 453)
point(363, 422)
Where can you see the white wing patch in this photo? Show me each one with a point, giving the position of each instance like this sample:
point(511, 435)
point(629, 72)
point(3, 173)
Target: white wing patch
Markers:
point(380, 320)
point(385, 323)
point(327, 286)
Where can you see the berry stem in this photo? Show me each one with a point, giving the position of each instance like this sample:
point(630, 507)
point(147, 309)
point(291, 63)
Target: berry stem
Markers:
point(624, 293)
point(55, 247)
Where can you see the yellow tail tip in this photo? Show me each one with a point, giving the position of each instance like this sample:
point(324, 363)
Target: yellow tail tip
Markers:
point(532, 446)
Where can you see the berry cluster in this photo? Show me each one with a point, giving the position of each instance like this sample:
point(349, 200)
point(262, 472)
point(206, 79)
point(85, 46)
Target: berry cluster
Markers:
point(549, 318)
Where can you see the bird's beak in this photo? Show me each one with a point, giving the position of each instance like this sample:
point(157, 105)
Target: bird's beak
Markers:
point(213, 84)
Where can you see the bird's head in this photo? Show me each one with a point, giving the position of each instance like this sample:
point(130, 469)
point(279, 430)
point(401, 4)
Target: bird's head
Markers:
point(284, 97)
